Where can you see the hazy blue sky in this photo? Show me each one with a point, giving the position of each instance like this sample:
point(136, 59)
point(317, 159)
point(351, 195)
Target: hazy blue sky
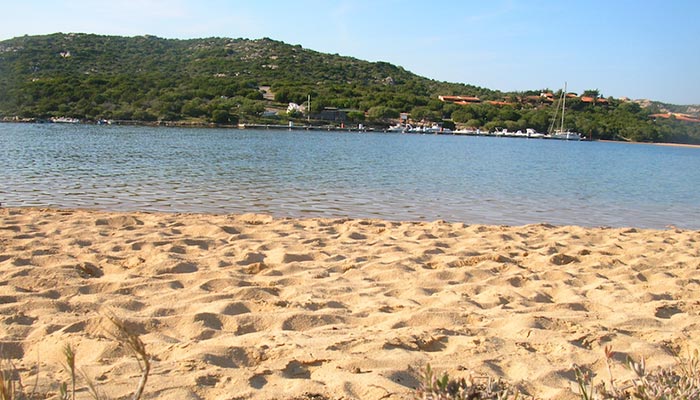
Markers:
point(633, 48)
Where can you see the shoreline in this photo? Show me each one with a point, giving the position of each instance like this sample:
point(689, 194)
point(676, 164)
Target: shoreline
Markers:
point(688, 145)
point(503, 222)
point(272, 216)
point(346, 308)
point(369, 128)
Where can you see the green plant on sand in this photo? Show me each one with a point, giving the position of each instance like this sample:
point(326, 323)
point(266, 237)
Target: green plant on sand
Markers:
point(11, 387)
point(442, 387)
point(681, 382)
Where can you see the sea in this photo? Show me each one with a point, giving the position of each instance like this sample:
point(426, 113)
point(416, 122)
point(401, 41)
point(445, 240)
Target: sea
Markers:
point(337, 174)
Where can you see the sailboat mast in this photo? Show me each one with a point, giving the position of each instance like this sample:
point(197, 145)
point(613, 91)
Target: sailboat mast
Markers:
point(563, 107)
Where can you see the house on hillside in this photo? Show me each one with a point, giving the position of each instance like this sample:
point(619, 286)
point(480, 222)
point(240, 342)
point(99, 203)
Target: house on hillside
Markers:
point(541, 99)
point(462, 100)
point(334, 114)
point(592, 100)
point(500, 103)
point(676, 116)
point(294, 107)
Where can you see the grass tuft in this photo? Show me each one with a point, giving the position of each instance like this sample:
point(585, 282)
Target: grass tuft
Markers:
point(69, 366)
point(442, 387)
point(681, 382)
point(132, 340)
point(10, 384)
point(11, 387)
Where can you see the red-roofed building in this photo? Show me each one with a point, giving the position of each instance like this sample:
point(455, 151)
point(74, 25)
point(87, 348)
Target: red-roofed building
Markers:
point(499, 103)
point(460, 99)
point(588, 99)
point(676, 116)
point(534, 99)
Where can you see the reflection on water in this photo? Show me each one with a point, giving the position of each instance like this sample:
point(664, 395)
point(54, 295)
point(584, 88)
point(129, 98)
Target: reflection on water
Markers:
point(326, 174)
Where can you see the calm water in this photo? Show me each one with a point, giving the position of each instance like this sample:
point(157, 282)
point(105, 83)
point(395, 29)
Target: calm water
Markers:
point(360, 175)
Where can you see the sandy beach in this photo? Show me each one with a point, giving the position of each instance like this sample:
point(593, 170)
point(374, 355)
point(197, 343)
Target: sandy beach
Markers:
point(252, 307)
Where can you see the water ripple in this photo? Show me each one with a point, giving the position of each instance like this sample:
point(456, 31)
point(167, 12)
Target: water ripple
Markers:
point(309, 174)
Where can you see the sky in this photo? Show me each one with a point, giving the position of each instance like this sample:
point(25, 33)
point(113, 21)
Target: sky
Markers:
point(632, 48)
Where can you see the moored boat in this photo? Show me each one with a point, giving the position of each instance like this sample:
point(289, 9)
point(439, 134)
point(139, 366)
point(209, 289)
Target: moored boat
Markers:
point(531, 133)
point(560, 133)
point(396, 128)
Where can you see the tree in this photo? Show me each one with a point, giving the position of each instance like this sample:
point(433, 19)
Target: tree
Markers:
point(630, 107)
point(508, 113)
point(475, 123)
point(144, 115)
point(381, 112)
point(595, 93)
point(539, 120)
point(193, 108)
point(422, 113)
point(221, 116)
point(357, 116)
point(464, 114)
point(491, 125)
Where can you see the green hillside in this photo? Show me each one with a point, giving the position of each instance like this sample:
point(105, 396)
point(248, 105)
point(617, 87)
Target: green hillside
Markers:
point(226, 81)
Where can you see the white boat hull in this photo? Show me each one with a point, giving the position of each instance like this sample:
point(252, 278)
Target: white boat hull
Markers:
point(564, 136)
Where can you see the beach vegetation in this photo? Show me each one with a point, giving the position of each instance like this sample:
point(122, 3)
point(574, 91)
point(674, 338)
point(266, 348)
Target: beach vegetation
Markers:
point(679, 382)
point(434, 386)
point(12, 387)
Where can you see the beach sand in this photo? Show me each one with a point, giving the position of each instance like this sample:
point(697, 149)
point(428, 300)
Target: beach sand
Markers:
point(251, 307)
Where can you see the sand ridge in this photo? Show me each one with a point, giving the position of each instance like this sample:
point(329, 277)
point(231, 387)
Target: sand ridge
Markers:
point(249, 306)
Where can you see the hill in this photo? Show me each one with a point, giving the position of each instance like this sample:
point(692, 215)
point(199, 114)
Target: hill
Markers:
point(223, 80)
point(91, 76)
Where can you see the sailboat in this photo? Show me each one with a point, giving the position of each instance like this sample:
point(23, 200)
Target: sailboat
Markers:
point(560, 133)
